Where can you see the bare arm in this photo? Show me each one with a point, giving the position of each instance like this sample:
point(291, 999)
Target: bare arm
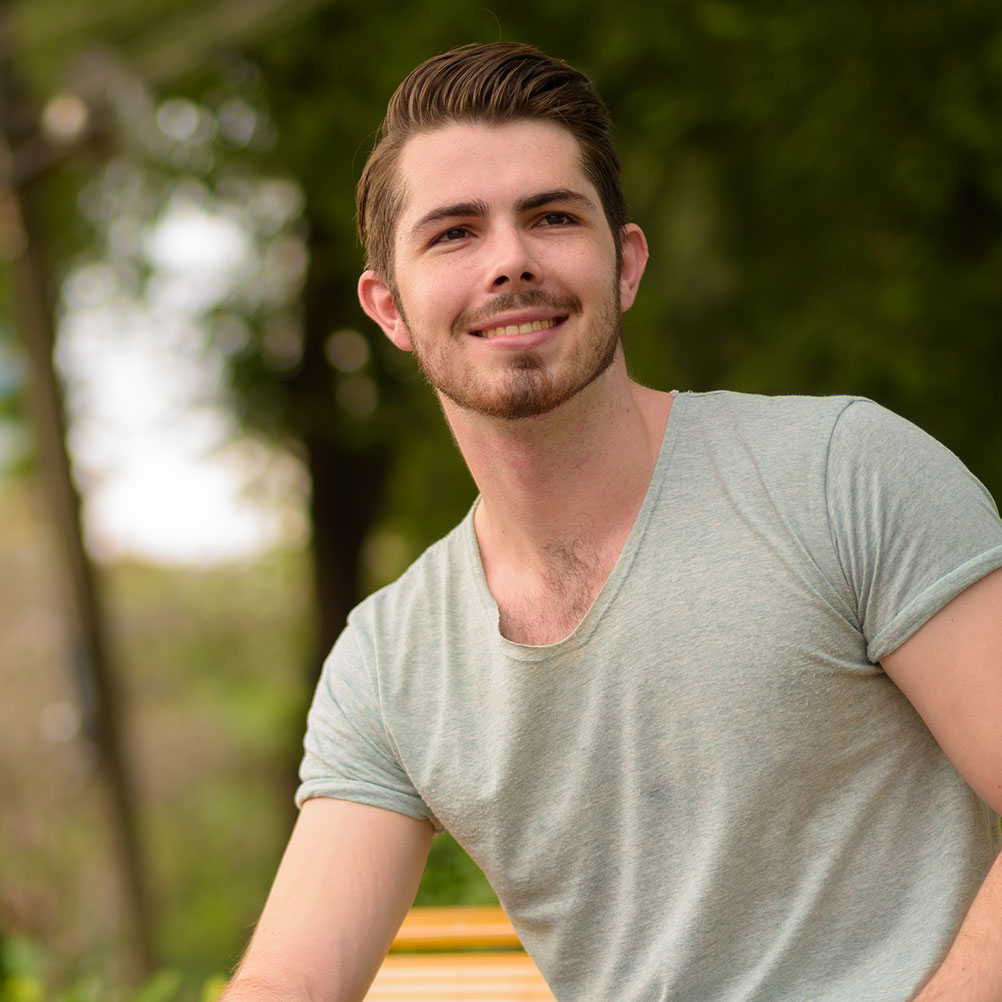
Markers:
point(972, 970)
point(348, 876)
point(951, 671)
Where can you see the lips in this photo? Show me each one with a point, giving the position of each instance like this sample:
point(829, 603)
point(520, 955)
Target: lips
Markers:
point(521, 312)
point(524, 328)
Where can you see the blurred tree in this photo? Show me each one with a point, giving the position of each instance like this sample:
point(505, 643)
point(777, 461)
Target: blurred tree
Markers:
point(24, 150)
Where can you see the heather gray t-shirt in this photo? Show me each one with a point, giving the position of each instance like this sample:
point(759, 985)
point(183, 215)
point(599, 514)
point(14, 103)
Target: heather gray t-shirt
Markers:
point(709, 791)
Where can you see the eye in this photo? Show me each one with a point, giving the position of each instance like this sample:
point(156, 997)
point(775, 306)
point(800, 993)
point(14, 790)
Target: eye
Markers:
point(452, 234)
point(556, 219)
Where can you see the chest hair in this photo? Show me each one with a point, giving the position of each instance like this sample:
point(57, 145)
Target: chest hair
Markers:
point(546, 606)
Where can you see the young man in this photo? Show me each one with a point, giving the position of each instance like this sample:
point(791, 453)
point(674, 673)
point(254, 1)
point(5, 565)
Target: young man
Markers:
point(709, 684)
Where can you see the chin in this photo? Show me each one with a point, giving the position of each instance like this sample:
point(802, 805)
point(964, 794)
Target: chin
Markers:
point(531, 392)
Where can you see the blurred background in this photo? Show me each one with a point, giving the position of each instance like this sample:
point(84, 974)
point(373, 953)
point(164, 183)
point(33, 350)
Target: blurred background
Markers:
point(208, 454)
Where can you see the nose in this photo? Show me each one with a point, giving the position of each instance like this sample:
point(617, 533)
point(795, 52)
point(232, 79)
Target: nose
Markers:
point(511, 259)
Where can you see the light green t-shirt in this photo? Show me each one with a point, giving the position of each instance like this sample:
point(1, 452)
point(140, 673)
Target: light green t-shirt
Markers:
point(709, 791)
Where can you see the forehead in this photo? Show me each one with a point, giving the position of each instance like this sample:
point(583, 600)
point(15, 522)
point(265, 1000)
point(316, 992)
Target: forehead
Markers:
point(494, 164)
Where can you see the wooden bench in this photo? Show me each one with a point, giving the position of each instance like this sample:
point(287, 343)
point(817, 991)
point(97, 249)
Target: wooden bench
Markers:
point(458, 955)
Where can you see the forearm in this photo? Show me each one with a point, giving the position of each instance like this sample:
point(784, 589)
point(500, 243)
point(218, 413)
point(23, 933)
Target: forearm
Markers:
point(972, 969)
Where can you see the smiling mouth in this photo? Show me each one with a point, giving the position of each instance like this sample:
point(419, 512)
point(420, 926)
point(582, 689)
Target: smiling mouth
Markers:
point(526, 328)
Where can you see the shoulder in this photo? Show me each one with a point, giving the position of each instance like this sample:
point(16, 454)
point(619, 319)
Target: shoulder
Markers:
point(859, 447)
point(767, 417)
point(875, 451)
point(870, 423)
point(392, 635)
point(841, 427)
point(785, 436)
point(434, 583)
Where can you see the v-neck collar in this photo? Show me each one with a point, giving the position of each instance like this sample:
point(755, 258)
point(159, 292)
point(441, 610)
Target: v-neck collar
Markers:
point(607, 594)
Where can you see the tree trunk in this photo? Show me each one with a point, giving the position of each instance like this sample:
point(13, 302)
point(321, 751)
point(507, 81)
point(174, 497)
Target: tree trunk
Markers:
point(347, 478)
point(20, 246)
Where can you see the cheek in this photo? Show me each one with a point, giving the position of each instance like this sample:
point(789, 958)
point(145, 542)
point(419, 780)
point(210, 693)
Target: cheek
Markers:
point(592, 261)
point(590, 275)
point(438, 292)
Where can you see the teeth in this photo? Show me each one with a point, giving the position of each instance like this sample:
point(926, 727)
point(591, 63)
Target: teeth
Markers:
point(535, 325)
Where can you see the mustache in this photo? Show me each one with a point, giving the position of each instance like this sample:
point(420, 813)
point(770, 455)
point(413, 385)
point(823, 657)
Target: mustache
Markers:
point(506, 302)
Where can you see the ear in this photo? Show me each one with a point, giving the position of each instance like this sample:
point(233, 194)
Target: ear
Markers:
point(634, 248)
point(378, 302)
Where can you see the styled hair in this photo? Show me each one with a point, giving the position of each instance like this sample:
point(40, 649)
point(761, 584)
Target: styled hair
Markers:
point(493, 84)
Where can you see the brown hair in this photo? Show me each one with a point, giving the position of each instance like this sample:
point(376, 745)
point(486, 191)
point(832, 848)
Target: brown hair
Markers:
point(495, 83)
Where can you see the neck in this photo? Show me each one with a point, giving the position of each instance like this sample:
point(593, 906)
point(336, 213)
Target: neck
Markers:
point(568, 482)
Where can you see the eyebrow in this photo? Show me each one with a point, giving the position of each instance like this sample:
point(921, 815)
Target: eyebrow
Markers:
point(478, 208)
point(556, 195)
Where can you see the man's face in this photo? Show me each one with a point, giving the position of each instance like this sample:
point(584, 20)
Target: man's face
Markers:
point(506, 285)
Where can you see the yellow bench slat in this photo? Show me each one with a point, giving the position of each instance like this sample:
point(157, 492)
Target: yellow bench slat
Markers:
point(455, 928)
point(507, 974)
point(462, 977)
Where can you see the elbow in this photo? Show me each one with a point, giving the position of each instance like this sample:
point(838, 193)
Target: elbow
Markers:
point(252, 987)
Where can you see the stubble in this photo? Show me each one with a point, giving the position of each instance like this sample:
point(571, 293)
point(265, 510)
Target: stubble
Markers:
point(526, 387)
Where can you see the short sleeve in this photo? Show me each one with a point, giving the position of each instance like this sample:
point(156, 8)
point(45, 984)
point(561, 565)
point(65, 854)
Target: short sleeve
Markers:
point(911, 525)
point(348, 754)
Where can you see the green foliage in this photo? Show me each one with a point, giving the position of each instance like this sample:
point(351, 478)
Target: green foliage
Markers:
point(452, 878)
point(211, 683)
point(218, 684)
point(25, 976)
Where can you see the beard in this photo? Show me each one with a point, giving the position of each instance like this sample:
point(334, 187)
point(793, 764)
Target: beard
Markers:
point(525, 387)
